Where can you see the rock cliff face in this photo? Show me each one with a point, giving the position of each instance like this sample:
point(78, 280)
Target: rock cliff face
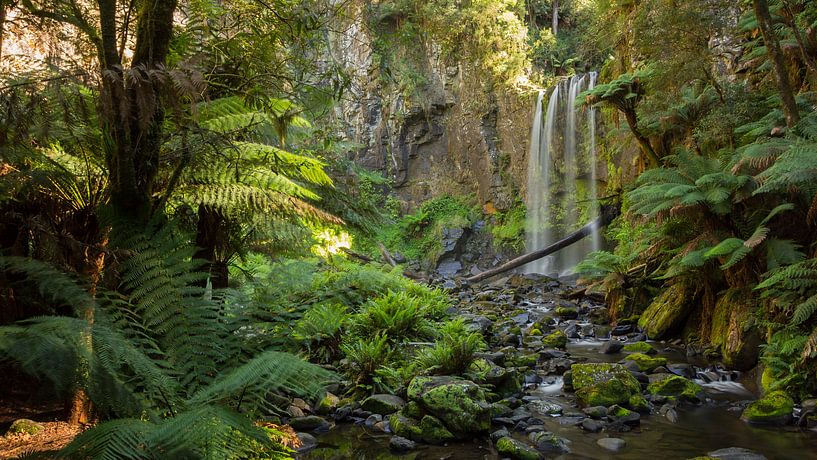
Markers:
point(453, 134)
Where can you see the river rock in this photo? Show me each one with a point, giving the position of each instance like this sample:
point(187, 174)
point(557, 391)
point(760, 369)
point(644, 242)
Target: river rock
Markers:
point(307, 441)
point(773, 409)
point(309, 423)
point(499, 434)
point(515, 449)
point(383, 404)
point(433, 431)
point(612, 444)
point(595, 411)
point(459, 404)
point(401, 444)
point(611, 347)
point(602, 384)
point(736, 453)
point(556, 339)
point(676, 386)
point(593, 426)
point(622, 415)
point(327, 404)
point(640, 347)
point(549, 443)
point(646, 363)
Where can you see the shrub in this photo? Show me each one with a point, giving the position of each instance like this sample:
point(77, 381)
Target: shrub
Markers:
point(365, 356)
point(454, 351)
point(397, 315)
point(320, 331)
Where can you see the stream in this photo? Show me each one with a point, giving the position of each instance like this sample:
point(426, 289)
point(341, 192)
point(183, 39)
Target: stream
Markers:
point(698, 429)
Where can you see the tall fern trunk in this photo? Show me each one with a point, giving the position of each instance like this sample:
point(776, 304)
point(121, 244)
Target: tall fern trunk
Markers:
point(764, 19)
point(91, 265)
point(646, 147)
point(133, 114)
point(212, 236)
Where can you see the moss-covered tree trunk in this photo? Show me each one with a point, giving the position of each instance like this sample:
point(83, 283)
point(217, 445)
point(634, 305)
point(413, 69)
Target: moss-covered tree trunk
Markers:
point(764, 19)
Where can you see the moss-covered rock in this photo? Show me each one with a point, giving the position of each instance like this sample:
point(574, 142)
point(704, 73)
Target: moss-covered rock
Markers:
point(383, 404)
point(459, 404)
point(567, 313)
point(603, 384)
point(640, 347)
point(732, 331)
point(25, 426)
point(327, 404)
point(517, 450)
point(667, 312)
point(638, 404)
point(773, 409)
point(433, 431)
point(646, 363)
point(556, 339)
point(405, 426)
point(677, 387)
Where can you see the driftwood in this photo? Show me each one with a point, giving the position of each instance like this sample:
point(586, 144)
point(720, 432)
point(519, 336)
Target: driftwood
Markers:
point(608, 213)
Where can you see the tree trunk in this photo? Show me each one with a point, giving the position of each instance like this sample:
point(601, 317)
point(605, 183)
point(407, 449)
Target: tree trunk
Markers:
point(764, 19)
point(646, 147)
point(211, 236)
point(608, 213)
point(555, 24)
point(135, 127)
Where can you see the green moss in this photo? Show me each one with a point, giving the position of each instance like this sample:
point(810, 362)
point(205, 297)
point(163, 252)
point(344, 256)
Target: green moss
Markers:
point(618, 411)
point(433, 431)
point(413, 410)
point(732, 332)
point(460, 404)
point(508, 229)
point(535, 331)
point(638, 403)
point(767, 379)
point(556, 339)
point(25, 426)
point(567, 312)
point(405, 427)
point(509, 447)
point(775, 409)
point(640, 347)
point(602, 384)
point(646, 363)
point(666, 312)
point(676, 386)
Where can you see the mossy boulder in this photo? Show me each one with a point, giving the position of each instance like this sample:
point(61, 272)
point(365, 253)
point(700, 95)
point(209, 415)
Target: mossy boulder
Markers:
point(646, 363)
point(327, 404)
point(516, 450)
point(603, 384)
point(433, 431)
point(405, 427)
point(459, 404)
point(383, 404)
point(556, 339)
point(505, 382)
point(732, 329)
point(773, 409)
point(567, 313)
point(638, 404)
point(667, 312)
point(676, 387)
point(25, 426)
point(640, 347)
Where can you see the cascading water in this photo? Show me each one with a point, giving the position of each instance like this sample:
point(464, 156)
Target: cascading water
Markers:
point(562, 178)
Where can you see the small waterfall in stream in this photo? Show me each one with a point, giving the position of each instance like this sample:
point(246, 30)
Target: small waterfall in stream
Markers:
point(562, 178)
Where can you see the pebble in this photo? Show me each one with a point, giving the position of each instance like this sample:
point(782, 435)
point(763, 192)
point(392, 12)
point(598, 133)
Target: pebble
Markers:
point(401, 444)
point(611, 347)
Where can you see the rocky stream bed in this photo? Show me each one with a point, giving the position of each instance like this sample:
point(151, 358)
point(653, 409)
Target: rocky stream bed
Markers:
point(559, 382)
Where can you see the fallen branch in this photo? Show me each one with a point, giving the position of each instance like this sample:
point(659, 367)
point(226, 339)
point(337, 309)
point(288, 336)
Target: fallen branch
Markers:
point(608, 213)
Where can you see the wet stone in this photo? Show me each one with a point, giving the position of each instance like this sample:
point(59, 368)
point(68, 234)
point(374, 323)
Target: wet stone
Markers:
point(401, 444)
point(611, 347)
point(612, 444)
point(593, 426)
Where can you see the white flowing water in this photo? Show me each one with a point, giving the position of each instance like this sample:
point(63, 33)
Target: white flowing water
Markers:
point(562, 176)
point(538, 196)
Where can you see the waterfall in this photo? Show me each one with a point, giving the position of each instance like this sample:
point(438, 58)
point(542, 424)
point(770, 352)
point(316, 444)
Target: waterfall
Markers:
point(562, 177)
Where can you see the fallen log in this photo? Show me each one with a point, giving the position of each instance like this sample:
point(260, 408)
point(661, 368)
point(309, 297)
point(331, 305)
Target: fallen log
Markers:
point(608, 213)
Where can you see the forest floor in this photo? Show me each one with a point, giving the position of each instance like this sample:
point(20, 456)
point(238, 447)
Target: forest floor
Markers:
point(17, 402)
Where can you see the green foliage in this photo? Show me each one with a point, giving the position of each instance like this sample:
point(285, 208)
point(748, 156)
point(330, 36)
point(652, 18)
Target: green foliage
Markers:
point(320, 331)
point(508, 228)
point(166, 355)
point(366, 356)
point(417, 236)
point(396, 315)
point(454, 350)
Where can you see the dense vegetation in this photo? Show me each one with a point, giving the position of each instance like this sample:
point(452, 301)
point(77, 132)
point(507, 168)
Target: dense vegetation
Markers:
point(185, 244)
